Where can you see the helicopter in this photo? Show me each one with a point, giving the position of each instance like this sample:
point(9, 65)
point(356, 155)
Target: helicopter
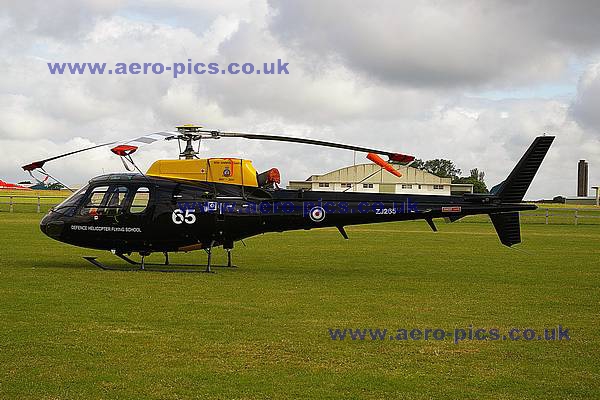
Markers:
point(190, 203)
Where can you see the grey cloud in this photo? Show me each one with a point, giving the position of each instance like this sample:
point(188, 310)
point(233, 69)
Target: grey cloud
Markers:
point(60, 19)
point(585, 108)
point(347, 83)
point(443, 44)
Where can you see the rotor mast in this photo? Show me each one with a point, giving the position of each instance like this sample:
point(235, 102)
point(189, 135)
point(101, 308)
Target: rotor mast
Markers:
point(188, 134)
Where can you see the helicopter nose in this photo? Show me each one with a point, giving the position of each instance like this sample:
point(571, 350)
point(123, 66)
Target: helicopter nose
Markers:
point(52, 227)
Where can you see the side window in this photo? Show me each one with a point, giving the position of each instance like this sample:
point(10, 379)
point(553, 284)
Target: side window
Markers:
point(140, 200)
point(105, 200)
point(94, 200)
point(116, 200)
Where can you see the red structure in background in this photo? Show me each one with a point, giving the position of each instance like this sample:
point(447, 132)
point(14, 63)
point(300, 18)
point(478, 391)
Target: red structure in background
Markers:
point(11, 186)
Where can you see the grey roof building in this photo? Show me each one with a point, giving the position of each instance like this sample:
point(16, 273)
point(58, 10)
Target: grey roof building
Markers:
point(372, 179)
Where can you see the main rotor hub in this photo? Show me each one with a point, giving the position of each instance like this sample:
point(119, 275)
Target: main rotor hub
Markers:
point(189, 133)
point(189, 128)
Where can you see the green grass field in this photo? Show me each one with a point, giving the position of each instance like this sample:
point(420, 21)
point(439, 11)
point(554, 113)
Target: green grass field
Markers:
point(69, 330)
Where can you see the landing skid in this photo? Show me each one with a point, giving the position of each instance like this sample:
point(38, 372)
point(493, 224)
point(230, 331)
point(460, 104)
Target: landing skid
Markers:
point(160, 267)
point(139, 264)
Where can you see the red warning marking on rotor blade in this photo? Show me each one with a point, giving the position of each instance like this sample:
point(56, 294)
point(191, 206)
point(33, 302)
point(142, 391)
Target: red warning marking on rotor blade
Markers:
point(401, 158)
point(383, 164)
point(33, 166)
point(124, 150)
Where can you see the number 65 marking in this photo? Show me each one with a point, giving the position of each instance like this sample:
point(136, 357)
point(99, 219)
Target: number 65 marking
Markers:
point(179, 217)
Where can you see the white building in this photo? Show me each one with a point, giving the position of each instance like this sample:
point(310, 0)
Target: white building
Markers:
point(371, 178)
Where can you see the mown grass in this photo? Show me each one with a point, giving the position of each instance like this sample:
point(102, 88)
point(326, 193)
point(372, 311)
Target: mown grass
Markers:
point(69, 330)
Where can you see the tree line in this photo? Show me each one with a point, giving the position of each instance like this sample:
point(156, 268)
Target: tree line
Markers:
point(447, 169)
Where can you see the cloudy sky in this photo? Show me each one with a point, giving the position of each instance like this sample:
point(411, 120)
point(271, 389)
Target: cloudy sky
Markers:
point(472, 81)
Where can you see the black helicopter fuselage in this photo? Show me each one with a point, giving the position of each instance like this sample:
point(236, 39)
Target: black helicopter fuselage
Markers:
point(128, 213)
point(193, 204)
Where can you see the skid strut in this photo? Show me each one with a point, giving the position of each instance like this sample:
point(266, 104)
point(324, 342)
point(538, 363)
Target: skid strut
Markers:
point(209, 252)
point(167, 266)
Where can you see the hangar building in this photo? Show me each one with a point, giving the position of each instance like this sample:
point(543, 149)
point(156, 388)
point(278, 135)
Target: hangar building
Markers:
point(371, 178)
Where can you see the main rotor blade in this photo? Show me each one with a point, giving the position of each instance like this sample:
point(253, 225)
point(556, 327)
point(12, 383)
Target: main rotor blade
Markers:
point(40, 164)
point(393, 156)
point(138, 141)
point(165, 135)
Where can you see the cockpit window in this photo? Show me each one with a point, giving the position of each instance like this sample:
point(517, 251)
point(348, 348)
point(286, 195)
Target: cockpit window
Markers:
point(96, 197)
point(116, 200)
point(140, 200)
point(74, 199)
point(105, 200)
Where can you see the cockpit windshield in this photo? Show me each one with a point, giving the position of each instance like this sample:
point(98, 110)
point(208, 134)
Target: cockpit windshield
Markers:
point(110, 199)
point(70, 204)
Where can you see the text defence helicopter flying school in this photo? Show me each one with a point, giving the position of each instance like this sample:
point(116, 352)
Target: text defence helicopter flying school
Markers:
point(192, 204)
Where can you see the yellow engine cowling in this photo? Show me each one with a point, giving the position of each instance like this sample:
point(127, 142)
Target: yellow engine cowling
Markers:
point(233, 171)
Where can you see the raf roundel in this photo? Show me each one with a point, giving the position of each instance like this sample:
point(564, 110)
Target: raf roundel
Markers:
point(317, 214)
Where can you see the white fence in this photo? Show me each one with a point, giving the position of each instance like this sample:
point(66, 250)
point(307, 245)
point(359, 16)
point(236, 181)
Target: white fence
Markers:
point(554, 215)
point(576, 215)
point(25, 203)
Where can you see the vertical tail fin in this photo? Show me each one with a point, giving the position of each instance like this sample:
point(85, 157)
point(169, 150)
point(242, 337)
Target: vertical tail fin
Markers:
point(513, 189)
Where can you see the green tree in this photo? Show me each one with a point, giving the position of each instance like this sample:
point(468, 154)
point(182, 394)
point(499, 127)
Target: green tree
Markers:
point(439, 167)
point(418, 164)
point(475, 179)
point(478, 186)
point(476, 174)
point(447, 169)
